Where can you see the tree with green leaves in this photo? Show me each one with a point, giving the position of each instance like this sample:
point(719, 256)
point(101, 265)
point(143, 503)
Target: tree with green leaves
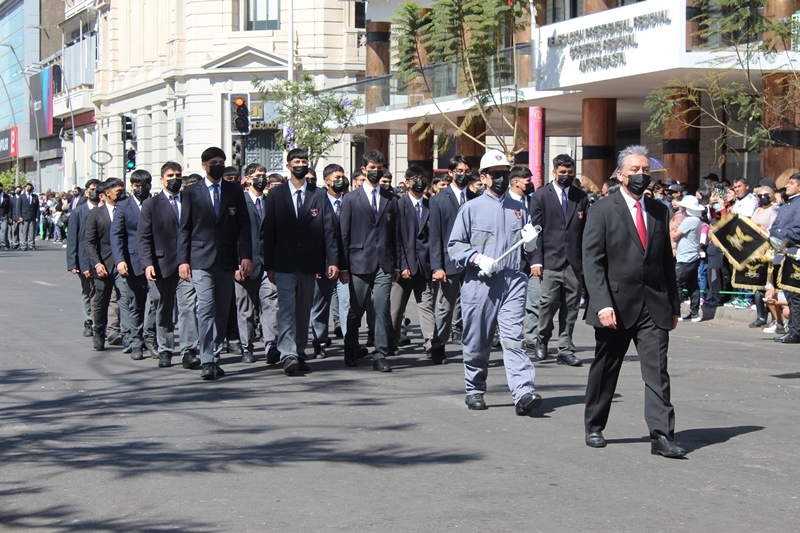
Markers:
point(8, 177)
point(477, 39)
point(310, 118)
point(749, 91)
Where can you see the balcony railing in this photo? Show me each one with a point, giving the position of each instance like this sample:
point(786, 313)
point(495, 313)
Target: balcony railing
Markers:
point(80, 98)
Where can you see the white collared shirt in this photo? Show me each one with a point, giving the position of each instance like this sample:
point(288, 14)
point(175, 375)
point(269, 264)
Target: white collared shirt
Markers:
point(515, 196)
point(368, 188)
point(111, 211)
point(293, 190)
point(458, 192)
point(177, 200)
point(631, 203)
point(333, 201)
point(209, 185)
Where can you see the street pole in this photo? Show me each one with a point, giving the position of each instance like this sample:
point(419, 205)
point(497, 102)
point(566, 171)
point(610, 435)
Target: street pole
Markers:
point(14, 115)
point(290, 55)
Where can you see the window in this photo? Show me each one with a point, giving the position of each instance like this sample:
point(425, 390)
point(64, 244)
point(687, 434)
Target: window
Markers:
point(361, 15)
point(263, 15)
point(560, 10)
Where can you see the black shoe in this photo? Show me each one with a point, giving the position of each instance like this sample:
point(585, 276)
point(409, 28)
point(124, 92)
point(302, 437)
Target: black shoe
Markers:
point(350, 357)
point(137, 354)
point(152, 348)
point(337, 332)
point(218, 370)
point(319, 352)
point(87, 329)
point(455, 337)
point(496, 341)
point(361, 352)
point(290, 365)
point(127, 347)
point(208, 371)
point(98, 343)
point(791, 338)
point(757, 323)
point(531, 346)
point(273, 356)
point(594, 439)
point(248, 357)
point(115, 340)
point(190, 360)
point(541, 351)
point(475, 402)
point(381, 365)
point(370, 342)
point(666, 447)
point(438, 356)
point(302, 366)
point(780, 339)
point(569, 359)
point(404, 341)
point(528, 403)
point(164, 360)
point(234, 347)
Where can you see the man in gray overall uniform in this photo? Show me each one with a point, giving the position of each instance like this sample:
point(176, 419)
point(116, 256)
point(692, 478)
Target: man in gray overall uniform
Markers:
point(493, 294)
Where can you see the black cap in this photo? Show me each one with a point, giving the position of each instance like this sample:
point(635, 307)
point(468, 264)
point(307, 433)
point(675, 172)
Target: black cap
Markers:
point(712, 177)
point(768, 182)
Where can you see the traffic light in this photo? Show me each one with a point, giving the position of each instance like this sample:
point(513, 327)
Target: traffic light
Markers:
point(127, 129)
point(240, 113)
point(130, 160)
point(237, 154)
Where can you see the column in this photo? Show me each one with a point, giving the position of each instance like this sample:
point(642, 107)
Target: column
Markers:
point(595, 6)
point(420, 151)
point(377, 93)
point(467, 147)
point(521, 141)
point(681, 139)
point(599, 132)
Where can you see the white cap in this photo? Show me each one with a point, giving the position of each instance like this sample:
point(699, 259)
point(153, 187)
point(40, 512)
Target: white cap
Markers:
point(493, 158)
point(691, 204)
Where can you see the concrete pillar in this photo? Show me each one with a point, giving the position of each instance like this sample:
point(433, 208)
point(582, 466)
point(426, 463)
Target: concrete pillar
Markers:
point(377, 94)
point(681, 145)
point(420, 151)
point(595, 6)
point(469, 148)
point(599, 130)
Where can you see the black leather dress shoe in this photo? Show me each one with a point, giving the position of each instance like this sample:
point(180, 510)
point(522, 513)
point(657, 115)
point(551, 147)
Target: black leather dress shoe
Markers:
point(302, 366)
point(152, 348)
point(594, 439)
point(273, 356)
point(528, 403)
point(541, 352)
point(319, 352)
point(475, 402)
point(234, 347)
point(290, 365)
point(248, 357)
point(164, 360)
point(208, 371)
point(218, 372)
point(190, 360)
point(757, 323)
point(115, 340)
point(665, 447)
point(87, 329)
point(403, 341)
point(361, 352)
point(791, 339)
point(569, 359)
point(127, 347)
point(337, 332)
point(137, 353)
point(780, 338)
point(438, 356)
point(381, 365)
point(98, 343)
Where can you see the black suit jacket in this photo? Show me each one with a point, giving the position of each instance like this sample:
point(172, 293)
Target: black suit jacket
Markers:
point(306, 242)
point(561, 241)
point(98, 239)
point(444, 208)
point(5, 206)
point(256, 234)
point(413, 250)
point(620, 273)
point(204, 239)
point(158, 236)
point(125, 235)
point(76, 239)
point(27, 210)
point(369, 244)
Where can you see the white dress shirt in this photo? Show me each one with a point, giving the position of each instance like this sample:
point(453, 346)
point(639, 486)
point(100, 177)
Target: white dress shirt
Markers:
point(293, 190)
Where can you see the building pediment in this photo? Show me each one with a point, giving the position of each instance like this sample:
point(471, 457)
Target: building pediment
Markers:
point(247, 58)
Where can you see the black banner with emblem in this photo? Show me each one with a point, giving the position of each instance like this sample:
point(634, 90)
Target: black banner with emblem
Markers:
point(740, 239)
point(789, 274)
point(753, 276)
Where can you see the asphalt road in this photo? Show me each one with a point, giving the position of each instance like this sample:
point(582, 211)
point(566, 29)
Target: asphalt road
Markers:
point(97, 442)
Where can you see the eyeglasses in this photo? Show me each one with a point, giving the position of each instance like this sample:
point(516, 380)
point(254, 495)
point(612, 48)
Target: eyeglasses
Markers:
point(767, 195)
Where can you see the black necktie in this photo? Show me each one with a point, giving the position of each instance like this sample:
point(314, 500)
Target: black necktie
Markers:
point(564, 203)
point(299, 202)
point(174, 202)
point(259, 211)
point(463, 197)
point(418, 210)
point(215, 188)
point(338, 207)
point(375, 204)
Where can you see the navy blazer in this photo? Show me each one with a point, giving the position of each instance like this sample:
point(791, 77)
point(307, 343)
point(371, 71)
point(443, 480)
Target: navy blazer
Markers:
point(98, 239)
point(444, 208)
point(561, 240)
point(369, 244)
point(5, 206)
point(306, 242)
point(413, 248)
point(125, 235)
point(26, 210)
point(205, 239)
point(76, 235)
point(256, 234)
point(158, 236)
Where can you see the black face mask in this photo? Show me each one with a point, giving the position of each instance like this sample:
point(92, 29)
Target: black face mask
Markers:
point(173, 185)
point(339, 186)
point(419, 186)
point(528, 188)
point(565, 180)
point(260, 183)
point(300, 172)
point(462, 180)
point(374, 176)
point(386, 186)
point(94, 196)
point(499, 181)
point(764, 201)
point(123, 195)
point(216, 172)
point(141, 194)
point(637, 183)
point(311, 184)
point(480, 190)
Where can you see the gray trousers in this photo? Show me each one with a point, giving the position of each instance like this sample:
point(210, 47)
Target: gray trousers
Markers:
point(105, 288)
point(87, 294)
point(295, 295)
point(379, 286)
point(136, 289)
point(27, 234)
point(256, 296)
point(14, 236)
point(561, 291)
point(4, 233)
point(533, 294)
point(493, 303)
point(186, 298)
point(449, 292)
point(343, 296)
point(214, 288)
point(425, 296)
point(164, 294)
point(321, 309)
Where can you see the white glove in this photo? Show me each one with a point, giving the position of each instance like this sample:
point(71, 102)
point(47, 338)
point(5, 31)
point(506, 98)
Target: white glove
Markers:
point(487, 265)
point(529, 235)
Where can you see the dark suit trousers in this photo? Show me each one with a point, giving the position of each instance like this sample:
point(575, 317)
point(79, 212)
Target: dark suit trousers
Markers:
point(561, 291)
point(652, 344)
point(793, 299)
point(103, 290)
point(425, 295)
point(448, 305)
point(379, 285)
point(137, 301)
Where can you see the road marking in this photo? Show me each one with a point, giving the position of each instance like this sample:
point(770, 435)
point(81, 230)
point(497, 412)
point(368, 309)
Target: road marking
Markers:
point(45, 284)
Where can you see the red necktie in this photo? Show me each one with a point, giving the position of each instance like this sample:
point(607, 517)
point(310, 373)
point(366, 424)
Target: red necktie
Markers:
point(640, 228)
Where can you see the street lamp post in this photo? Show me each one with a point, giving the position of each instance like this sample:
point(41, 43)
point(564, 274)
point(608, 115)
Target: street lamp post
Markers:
point(14, 116)
point(35, 122)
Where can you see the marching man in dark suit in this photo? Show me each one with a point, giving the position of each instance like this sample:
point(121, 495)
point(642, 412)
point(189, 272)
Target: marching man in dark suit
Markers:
point(299, 243)
point(560, 209)
point(633, 295)
point(27, 217)
point(5, 218)
point(213, 243)
point(77, 260)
